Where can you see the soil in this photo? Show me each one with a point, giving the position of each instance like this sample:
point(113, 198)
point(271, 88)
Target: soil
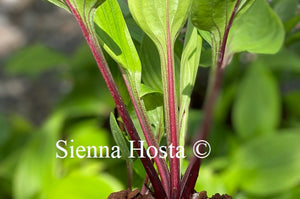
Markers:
point(127, 194)
point(203, 195)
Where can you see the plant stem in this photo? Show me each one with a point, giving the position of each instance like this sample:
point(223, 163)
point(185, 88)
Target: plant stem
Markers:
point(145, 189)
point(120, 105)
point(192, 172)
point(140, 110)
point(129, 165)
point(171, 110)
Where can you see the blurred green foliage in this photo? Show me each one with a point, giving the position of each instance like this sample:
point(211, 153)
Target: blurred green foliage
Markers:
point(255, 139)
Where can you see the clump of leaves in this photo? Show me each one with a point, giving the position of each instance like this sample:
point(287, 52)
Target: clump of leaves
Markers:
point(156, 102)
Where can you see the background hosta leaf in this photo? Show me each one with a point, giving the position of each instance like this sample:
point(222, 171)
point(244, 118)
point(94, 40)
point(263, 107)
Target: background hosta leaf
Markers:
point(36, 166)
point(259, 30)
point(115, 37)
point(279, 63)
point(257, 106)
point(286, 9)
point(269, 165)
point(78, 185)
point(86, 133)
point(34, 60)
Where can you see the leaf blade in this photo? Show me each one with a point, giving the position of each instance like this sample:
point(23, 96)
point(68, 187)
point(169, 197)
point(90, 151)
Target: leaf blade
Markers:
point(116, 39)
point(257, 106)
point(259, 30)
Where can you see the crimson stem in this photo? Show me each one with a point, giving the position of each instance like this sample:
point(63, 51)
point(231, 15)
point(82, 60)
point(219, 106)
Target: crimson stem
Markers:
point(171, 112)
point(140, 110)
point(192, 172)
point(120, 105)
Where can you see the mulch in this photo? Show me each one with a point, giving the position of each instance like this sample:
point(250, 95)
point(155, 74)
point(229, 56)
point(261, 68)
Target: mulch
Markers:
point(127, 194)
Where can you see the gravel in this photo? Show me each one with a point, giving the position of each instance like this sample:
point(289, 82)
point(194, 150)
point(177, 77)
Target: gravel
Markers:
point(22, 23)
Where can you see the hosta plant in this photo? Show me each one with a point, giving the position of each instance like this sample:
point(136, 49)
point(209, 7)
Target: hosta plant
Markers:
point(157, 45)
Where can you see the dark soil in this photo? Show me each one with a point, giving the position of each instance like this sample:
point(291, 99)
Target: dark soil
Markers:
point(127, 194)
point(203, 195)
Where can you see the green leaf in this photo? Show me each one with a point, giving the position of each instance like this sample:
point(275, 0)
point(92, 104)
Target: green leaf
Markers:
point(162, 20)
point(152, 98)
point(256, 28)
point(36, 167)
point(151, 64)
point(85, 11)
point(84, 7)
point(259, 30)
point(210, 181)
point(84, 133)
point(88, 133)
point(135, 31)
point(34, 60)
point(188, 73)
point(283, 61)
point(270, 164)
point(116, 40)
point(286, 9)
point(290, 24)
point(146, 90)
point(257, 106)
point(156, 119)
point(78, 185)
point(291, 104)
point(189, 63)
point(139, 168)
point(293, 38)
point(213, 16)
point(15, 134)
point(151, 15)
point(119, 137)
point(224, 103)
point(205, 59)
point(124, 7)
point(5, 134)
point(80, 102)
